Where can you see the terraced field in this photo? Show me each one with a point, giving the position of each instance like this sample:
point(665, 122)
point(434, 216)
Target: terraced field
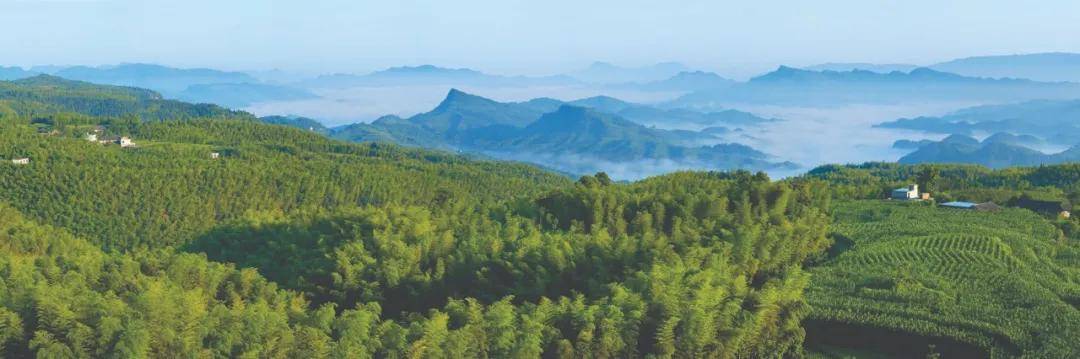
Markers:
point(914, 280)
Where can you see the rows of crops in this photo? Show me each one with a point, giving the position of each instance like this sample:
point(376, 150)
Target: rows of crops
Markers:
point(998, 283)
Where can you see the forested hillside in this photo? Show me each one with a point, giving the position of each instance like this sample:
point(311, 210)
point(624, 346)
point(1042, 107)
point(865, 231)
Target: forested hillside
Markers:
point(46, 95)
point(947, 182)
point(218, 235)
point(402, 252)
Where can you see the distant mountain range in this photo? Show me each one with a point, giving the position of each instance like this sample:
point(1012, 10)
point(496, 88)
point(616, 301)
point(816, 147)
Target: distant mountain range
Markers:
point(575, 137)
point(686, 81)
point(14, 73)
point(828, 84)
point(166, 80)
point(239, 95)
point(791, 86)
point(1054, 121)
point(672, 118)
point(1051, 67)
point(1047, 67)
point(232, 89)
point(865, 66)
point(429, 75)
point(997, 151)
point(607, 73)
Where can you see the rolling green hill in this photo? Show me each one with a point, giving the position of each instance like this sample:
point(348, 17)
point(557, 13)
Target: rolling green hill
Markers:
point(44, 95)
point(168, 189)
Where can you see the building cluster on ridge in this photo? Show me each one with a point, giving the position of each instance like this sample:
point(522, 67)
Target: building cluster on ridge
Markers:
point(911, 193)
point(95, 136)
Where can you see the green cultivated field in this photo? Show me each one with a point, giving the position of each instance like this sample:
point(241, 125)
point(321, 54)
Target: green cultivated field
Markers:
point(905, 276)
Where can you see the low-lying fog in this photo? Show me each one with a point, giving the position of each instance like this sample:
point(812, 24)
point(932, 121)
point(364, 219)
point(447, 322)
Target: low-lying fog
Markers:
point(815, 136)
point(807, 136)
point(365, 104)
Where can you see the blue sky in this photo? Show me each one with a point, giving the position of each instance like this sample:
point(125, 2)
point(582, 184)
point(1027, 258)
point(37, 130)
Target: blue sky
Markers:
point(532, 37)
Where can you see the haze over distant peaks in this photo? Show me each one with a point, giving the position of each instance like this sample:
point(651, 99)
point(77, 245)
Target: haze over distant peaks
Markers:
point(164, 79)
point(576, 137)
point(796, 75)
point(14, 73)
point(998, 151)
point(1055, 121)
point(607, 73)
point(429, 75)
point(688, 81)
point(849, 66)
point(1047, 67)
point(799, 87)
point(1055, 66)
point(239, 95)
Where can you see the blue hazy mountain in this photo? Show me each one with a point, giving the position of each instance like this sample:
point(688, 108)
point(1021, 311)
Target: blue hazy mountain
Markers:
point(671, 117)
point(238, 95)
point(166, 80)
point(47, 69)
point(910, 144)
point(15, 73)
point(1054, 121)
point(686, 81)
point(231, 89)
point(1051, 67)
point(851, 66)
point(429, 75)
point(1000, 137)
point(607, 73)
point(791, 86)
point(997, 151)
point(564, 136)
point(1047, 67)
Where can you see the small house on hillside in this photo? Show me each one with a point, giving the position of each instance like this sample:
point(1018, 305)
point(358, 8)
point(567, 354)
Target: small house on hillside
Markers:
point(123, 141)
point(21, 161)
point(215, 155)
point(906, 194)
point(1065, 214)
point(92, 137)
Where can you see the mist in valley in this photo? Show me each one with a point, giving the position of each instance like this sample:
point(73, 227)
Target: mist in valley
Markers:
point(806, 136)
point(337, 107)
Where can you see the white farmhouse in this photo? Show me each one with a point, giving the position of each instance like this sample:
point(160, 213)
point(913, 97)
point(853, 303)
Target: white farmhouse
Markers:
point(910, 193)
point(21, 161)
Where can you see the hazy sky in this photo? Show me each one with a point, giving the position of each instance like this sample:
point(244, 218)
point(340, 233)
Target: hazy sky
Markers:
point(533, 37)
